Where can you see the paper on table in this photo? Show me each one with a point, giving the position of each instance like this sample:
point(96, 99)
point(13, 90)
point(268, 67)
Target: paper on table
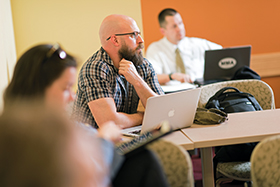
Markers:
point(176, 86)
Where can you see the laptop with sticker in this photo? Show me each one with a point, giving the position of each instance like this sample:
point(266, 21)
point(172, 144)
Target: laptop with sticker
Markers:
point(221, 64)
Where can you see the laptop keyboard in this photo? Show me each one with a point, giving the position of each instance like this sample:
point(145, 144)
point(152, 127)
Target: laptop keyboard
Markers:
point(133, 131)
point(136, 132)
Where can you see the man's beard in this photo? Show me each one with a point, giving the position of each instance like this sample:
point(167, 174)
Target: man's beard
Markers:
point(131, 55)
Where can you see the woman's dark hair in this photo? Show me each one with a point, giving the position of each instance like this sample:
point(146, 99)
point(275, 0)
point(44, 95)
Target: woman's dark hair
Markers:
point(35, 71)
point(33, 146)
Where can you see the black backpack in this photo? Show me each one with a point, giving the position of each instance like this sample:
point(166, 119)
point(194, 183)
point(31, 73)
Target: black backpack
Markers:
point(230, 102)
point(233, 101)
point(245, 72)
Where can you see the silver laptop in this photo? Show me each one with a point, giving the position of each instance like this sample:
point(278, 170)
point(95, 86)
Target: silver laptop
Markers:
point(177, 108)
point(221, 64)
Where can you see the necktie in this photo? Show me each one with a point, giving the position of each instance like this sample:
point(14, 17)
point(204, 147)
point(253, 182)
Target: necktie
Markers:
point(179, 62)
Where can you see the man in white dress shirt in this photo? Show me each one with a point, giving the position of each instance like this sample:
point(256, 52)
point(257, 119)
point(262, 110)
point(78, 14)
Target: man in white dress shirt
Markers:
point(162, 53)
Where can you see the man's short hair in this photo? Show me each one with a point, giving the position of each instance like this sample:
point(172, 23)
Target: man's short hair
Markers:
point(163, 14)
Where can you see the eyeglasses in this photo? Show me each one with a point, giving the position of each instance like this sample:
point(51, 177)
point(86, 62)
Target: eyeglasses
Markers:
point(135, 34)
point(56, 47)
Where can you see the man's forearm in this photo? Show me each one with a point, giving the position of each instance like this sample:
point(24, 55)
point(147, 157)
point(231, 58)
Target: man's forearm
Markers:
point(143, 91)
point(163, 78)
point(124, 120)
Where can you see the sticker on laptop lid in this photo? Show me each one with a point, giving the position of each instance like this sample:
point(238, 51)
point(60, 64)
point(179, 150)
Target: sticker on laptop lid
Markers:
point(227, 63)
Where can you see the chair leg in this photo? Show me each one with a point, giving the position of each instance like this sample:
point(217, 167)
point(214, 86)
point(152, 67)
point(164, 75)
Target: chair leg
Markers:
point(222, 180)
point(248, 184)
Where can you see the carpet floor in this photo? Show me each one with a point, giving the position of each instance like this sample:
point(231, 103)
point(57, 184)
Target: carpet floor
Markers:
point(197, 170)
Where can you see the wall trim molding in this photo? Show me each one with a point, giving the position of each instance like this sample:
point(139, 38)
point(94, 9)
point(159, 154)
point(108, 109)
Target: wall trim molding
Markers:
point(266, 64)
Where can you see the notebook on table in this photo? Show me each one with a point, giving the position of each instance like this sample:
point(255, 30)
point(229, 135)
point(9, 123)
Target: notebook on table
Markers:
point(177, 108)
point(221, 64)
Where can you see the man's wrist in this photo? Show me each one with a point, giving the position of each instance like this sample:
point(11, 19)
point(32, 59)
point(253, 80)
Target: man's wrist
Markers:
point(169, 75)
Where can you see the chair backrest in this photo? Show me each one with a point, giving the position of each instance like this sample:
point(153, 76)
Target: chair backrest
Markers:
point(176, 162)
point(259, 89)
point(265, 163)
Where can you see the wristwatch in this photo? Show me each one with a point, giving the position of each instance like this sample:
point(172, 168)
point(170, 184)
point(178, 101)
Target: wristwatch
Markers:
point(169, 75)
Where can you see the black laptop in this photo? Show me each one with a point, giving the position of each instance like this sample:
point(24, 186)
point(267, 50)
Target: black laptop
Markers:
point(221, 64)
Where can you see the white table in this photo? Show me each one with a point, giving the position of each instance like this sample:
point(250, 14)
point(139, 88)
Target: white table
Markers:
point(179, 138)
point(240, 128)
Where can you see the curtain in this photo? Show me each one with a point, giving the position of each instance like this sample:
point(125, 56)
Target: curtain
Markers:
point(7, 47)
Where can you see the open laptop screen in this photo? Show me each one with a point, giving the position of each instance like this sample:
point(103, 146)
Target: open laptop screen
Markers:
point(221, 64)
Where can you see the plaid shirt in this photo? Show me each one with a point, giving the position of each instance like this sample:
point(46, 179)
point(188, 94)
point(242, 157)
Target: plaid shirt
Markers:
point(99, 78)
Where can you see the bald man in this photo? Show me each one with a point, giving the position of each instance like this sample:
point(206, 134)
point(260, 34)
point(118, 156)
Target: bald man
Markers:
point(113, 80)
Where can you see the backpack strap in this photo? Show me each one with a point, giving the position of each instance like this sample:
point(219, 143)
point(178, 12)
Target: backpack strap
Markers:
point(254, 102)
point(221, 91)
point(213, 101)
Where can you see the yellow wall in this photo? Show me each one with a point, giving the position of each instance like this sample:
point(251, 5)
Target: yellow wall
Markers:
point(74, 24)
